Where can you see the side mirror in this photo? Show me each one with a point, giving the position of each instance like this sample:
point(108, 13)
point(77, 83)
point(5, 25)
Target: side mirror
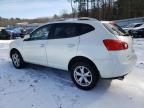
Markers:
point(26, 37)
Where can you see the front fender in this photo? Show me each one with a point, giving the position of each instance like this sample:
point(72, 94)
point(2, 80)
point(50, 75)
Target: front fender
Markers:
point(17, 44)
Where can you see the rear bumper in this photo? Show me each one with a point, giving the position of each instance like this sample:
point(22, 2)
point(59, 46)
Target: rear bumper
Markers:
point(114, 69)
point(123, 68)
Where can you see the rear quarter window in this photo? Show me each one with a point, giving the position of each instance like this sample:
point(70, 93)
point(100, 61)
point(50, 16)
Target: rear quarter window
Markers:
point(85, 28)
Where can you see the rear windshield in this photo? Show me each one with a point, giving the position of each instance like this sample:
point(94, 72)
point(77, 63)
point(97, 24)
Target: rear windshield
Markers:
point(115, 29)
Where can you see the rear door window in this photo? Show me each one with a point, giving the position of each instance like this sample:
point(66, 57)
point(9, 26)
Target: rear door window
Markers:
point(68, 30)
point(64, 30)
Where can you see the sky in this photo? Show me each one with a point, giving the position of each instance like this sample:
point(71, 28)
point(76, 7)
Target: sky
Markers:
point(33, 8)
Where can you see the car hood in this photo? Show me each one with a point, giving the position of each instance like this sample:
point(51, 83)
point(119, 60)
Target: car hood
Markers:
point(137, 28)
point(128, 28)
point(11, 31)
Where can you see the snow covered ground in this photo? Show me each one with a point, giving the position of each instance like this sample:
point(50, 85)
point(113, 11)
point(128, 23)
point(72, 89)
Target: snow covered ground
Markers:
point(42, 87)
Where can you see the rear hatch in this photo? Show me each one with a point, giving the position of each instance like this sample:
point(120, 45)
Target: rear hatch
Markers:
point(126, 55)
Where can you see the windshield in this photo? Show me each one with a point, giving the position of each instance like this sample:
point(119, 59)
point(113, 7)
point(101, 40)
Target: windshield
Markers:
point(115, 29)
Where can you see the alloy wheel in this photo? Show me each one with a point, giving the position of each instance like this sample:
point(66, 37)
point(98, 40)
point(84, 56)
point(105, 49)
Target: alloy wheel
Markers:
point(83, 76)
point(16, 59)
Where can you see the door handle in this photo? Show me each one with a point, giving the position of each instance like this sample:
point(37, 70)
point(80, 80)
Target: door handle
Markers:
point(70, 45)
point(42, 45)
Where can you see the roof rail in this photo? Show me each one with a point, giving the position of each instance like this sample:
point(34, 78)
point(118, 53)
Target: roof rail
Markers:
point(87, 18)
point(71, 19)
point(61, 19)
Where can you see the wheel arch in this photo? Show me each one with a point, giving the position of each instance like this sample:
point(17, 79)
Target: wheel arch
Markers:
point(82, 59)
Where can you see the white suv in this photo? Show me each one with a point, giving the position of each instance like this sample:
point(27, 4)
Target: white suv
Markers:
point(87, 48)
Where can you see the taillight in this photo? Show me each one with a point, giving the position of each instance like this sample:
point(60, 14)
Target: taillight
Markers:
point(114, 45)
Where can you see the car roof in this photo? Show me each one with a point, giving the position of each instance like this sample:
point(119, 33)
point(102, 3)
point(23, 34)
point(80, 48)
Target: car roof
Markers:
point(74, 20)
point(111, 22)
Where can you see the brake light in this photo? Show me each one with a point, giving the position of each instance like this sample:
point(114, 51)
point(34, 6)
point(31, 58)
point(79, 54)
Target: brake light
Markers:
point(114, 45)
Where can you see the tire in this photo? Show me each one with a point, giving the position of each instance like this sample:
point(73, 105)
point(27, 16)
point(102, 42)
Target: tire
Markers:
point(17, 60)
point(84, 75)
